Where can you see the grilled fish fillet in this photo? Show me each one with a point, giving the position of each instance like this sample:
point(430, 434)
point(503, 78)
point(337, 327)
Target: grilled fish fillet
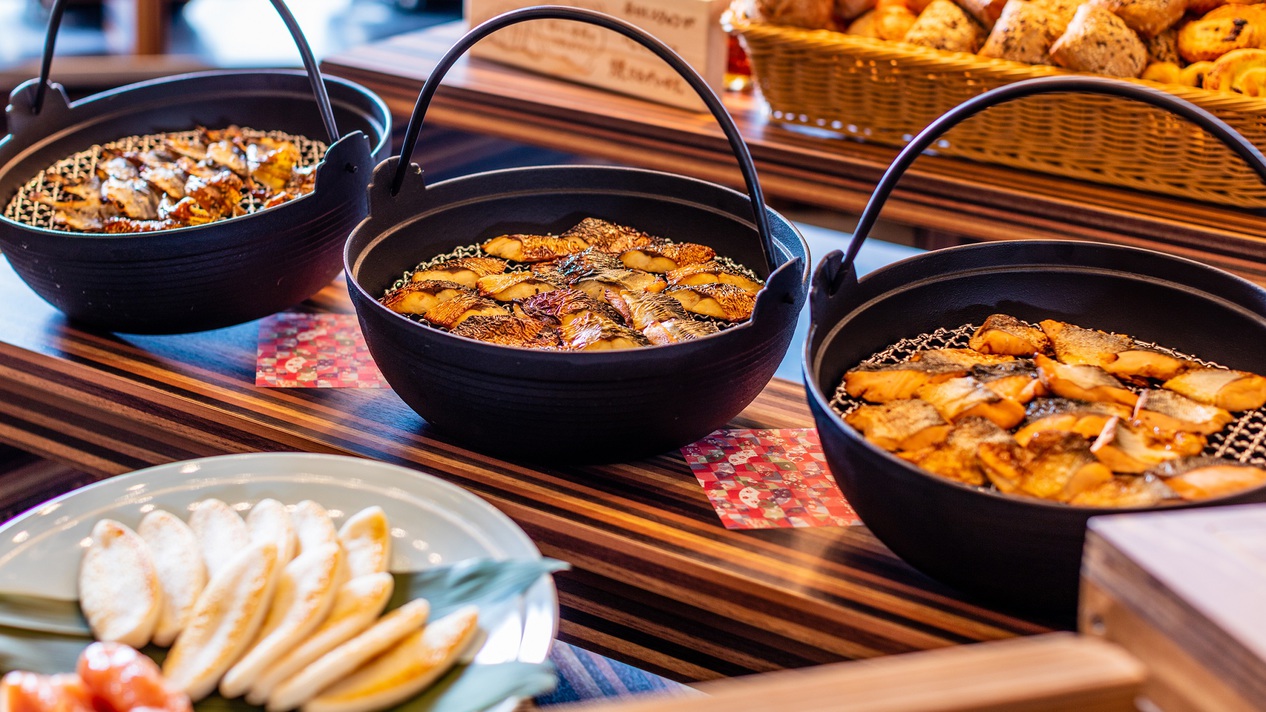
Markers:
point(587, 331)
point(1082, 382)
point(1124, 449)
point(1231, 390)
point(463, 270)
point(1139, 364)
point(598, 283)
point(1166, 410)
point(566, 305)
point(660, 317)
point(512, 286)
point(880, 383)
point(1055, 465)
point(572, 268)
point(958, 398)
point(1076, 346)
point(453, 312)
point(1124, 491)
point(509, 330)
point(963, 358)
point(720, 301)
point(607, 236)
point(1198, 478)
point(662, 256)
point(1004, 334)
point(711, 273)
point(1084, 418)
point(678, 330)
point(533, 248)
point(955, 457)
point(1016, 380)
point(908, 424)
point(420, 297)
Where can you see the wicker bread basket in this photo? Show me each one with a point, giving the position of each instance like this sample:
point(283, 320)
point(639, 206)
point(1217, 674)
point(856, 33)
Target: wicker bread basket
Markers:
point(885, 92)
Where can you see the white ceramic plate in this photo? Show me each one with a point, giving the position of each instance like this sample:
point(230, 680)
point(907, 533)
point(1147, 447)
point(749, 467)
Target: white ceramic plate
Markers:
point(432, 523)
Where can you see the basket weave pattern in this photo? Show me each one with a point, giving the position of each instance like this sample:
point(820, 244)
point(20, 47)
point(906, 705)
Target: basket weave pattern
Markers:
point(886, 92)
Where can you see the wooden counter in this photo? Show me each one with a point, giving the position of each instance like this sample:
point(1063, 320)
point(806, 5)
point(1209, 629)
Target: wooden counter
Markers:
point(657, 581)
point(945, 198)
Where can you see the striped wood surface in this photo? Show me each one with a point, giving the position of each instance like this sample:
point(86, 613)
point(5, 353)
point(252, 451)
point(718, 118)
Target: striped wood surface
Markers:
point(956, 197)
point(657, 581)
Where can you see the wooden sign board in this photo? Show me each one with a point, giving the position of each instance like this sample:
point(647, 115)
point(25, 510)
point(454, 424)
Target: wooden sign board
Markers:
point(1185, 592)
point(599, 57)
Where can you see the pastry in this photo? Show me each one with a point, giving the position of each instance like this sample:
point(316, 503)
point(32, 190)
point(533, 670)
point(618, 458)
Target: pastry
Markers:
point(1238, 71)
point(1100, 42)
point(1227, 28)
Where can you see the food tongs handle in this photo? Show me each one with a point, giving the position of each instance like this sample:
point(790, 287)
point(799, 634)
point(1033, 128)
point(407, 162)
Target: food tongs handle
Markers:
point(557, 12)
point(309, 63)
point(1030, 87)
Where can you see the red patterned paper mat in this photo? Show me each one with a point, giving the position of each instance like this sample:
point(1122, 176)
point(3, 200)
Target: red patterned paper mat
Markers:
point(767, 479)
point(314, 351)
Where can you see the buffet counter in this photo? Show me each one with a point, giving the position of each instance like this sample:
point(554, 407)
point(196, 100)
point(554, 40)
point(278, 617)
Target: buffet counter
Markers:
point(947, 199)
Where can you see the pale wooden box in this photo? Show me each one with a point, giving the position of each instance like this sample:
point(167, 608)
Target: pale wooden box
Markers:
point(599, 57)
point(1185, 592)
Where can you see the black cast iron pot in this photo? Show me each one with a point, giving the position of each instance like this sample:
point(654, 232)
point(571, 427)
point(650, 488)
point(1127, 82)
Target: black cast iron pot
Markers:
point(560, 406)
point(204, 277)
point(1021, 553)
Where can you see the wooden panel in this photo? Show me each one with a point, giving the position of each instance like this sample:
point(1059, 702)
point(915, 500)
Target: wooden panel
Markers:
point(963, 198)
point(657, 581)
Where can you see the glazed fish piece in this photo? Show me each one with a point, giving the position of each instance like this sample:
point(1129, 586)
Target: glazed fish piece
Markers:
point(662, 256)
point(1122, 448)
point(711, 273)
point(160, 171)
point(955, 457)
point(1083, 382)
point(958, 398)
point(1196, 478)
point(608, 236)
point(510, 286)
point(220, 195)
point(81, 215)
point(1016, 380)
point(1231, 390)
point(908, 424)
point(226, 154)
point(1084, 418)
point(533, 248)
point(116, 166)
point(720, 301)
point(1125, 491)
point(588, 331)
point(1004, 334)
point(186, 211)
point(1139, 363)
point(131, 198)
point(420, 297)
point(1167, 410)
point(509, 330)
point(965, 358)
point(678, 330)
point(598, 284)
point(572, 268)
point(452, 312)
point(660, 317)
point(193, 148)
point(565, 305)
point(1076, 346)
point(271, 162)
point(465, 271)
point(880, 383)
point(1054, 465)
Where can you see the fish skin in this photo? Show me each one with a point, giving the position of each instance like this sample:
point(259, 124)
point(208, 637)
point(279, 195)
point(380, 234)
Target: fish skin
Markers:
point(1230, 390)
point(892, 424)
point(1078, 346)
point(1006, 335)
point(1165, 409)
point(955, 457)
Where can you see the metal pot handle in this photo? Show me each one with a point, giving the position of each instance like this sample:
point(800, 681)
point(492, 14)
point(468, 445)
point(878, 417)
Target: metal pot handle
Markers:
point(556, 12)
point(309, 63)
point(1045, 85)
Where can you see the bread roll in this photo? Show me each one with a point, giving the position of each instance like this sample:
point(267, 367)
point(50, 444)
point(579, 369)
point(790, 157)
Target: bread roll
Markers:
point(810, 14)
point(1024, 33)
point(1146, 17)
point(1163, 72)
point(986, 12)
point(893, 20)
point(1100, 42)
point(863, 26)
point(849, 10)
point(944, 25)
point(1163, 47)
point(1227, 28)
point(1062, 12)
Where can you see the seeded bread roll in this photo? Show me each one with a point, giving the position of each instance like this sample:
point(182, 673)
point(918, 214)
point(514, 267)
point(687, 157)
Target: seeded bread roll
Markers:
point(1146, 17)
point(1024, 33)
point(1163, 47)
point(810, 14)
point(1062, 12)
point(944, 25)
point(986, 12)
point(1098, 41)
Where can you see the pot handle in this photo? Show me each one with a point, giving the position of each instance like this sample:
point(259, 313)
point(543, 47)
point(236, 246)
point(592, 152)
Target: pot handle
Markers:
point(556, 12)
point(1030, 87)
point(309, 63)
